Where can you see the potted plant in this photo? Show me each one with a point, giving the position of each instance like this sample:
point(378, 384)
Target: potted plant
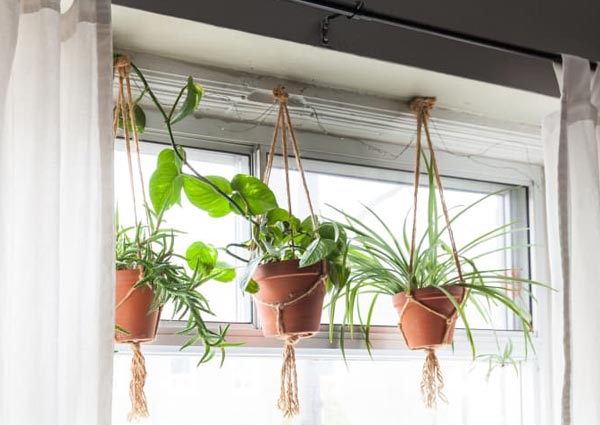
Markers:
point(292, 263)
point(429, 279)
point(150, 274)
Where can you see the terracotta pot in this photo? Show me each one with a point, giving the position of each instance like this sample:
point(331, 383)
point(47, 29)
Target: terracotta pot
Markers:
point(133, 314)
point(422, 328)
point(283, 282)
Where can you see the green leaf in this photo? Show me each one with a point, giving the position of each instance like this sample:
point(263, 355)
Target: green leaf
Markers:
point(317, 251)
point(121, 330)
point(202, 257)
point(277, 215)
point(247, 283)
point(194, 92)
point(167, 157)
point(223, 272)
point(259, 198)
point(252, 287)
point(205, 197)
point(165, 187)
point(140, 119)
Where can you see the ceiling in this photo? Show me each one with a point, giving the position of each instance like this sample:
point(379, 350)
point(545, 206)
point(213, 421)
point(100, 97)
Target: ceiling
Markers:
point(556, 26)
point(209, 45)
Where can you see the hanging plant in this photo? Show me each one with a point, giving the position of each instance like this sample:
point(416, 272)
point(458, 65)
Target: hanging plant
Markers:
point(293, 262)
point(429, 280)
point(149, 273)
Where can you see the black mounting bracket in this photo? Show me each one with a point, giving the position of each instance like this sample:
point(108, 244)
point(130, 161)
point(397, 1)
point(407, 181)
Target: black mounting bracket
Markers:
point(325, 22)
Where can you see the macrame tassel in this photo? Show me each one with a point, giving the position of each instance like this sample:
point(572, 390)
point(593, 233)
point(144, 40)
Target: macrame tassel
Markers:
point(432, 383)
point(288, 398)
point(139, 407)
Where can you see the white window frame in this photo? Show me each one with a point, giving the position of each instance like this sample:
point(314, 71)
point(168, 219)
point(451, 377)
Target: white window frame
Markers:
point(219, 133)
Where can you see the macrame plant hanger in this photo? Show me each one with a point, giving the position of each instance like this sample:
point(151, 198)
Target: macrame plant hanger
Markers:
point(288, 398)
point(432, 382)
point(124, 113)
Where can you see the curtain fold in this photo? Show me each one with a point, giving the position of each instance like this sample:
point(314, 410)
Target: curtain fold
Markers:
point(56, 213)
point(572, 167)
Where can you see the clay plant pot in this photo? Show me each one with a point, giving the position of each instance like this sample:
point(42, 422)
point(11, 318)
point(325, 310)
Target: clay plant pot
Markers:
point(422, 328)
point(283, 282)
point(134, 315)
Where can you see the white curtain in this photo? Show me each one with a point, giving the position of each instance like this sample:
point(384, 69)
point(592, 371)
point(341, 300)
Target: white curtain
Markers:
point(571, 138)
point(56, 213)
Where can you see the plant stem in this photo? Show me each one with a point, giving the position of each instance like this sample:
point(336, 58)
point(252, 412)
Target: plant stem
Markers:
point(167, 120)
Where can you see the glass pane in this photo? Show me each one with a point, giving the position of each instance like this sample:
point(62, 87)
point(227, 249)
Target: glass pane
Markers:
point(226, 301)
point(392, 200)
point(245, 391)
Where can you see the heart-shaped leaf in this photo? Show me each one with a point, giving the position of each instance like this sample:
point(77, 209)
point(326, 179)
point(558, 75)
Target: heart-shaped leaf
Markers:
point(202, 257)
point(259, 198)
point(318, 250)
point(165, 187)
point(205, 197)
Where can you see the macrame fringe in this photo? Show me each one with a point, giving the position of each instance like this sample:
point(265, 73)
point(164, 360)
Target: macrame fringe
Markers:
point(139, 406)
point(432, 383)
point(288, 398)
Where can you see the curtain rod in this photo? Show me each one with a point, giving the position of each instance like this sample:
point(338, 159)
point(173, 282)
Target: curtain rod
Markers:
point(359, 12)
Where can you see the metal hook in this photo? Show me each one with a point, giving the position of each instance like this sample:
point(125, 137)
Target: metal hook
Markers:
point(326, 19)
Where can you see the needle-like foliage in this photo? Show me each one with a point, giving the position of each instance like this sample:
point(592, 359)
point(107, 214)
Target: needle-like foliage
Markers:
point(152, 249)
point(380, 264)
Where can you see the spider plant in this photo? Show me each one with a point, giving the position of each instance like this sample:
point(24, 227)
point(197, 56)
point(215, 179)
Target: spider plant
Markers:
point(152, 248)
point(380, 263)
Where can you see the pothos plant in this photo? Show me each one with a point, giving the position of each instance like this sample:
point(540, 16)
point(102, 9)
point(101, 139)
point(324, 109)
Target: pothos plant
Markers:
point(152, 249)
point(276, 235)
point(149, 247)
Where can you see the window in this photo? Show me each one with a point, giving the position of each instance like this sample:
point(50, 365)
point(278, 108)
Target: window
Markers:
point(380, 391)
point(330, 393)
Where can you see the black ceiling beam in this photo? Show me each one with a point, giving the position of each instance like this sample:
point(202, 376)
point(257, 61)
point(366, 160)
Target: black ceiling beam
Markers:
point(413, 42)
point(360, 13)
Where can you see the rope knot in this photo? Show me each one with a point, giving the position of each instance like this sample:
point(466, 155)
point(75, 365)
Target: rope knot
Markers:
point(422, 105)
point(280, 94)
point(122, 63)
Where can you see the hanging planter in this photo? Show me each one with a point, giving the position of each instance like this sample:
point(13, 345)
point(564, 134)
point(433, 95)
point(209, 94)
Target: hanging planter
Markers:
point(135, 320)
point(291, 289)
point(290, 298)
point(429, 278)
point(149, 273)
point(427, 317)
point(292, 263)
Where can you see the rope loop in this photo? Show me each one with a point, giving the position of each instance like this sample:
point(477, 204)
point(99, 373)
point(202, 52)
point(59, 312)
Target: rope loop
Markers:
point(123, 64)
point(281, 95)
point(285, 131)
point(421, 107)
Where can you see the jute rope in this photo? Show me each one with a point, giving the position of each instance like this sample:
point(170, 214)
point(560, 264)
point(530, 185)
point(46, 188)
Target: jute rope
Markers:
point(432, 382)
point(125, 110)
point(288, 399)
point(139, 406)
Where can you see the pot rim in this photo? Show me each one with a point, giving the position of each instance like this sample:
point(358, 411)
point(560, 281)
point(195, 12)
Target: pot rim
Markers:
point(267, 273)
point(434, 293)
